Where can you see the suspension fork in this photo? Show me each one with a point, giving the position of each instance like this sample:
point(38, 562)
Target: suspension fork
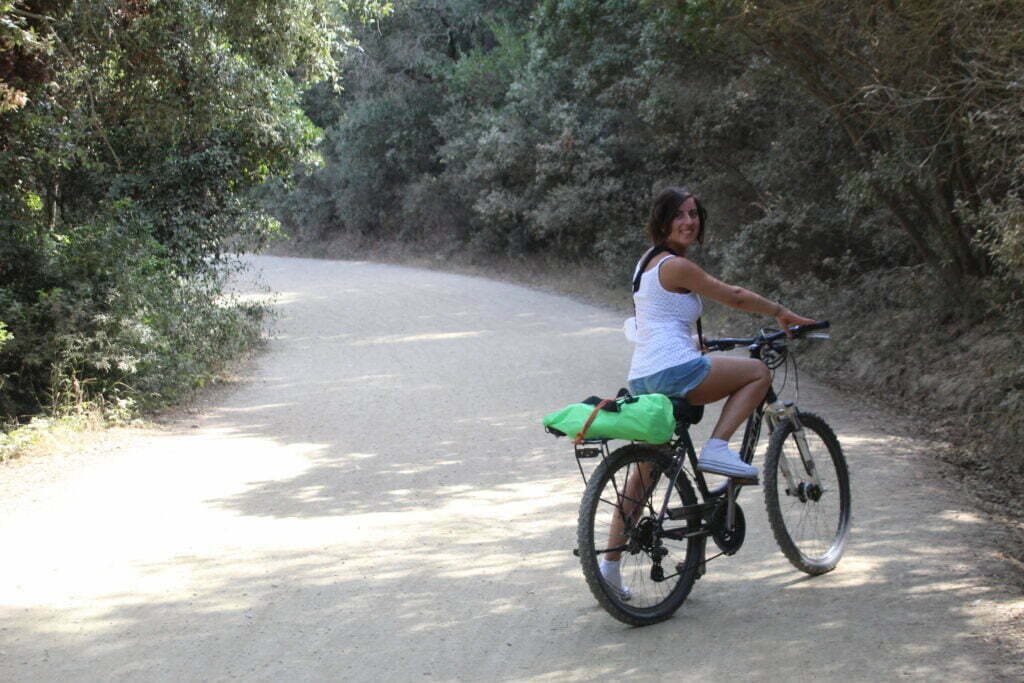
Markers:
point(775, 412)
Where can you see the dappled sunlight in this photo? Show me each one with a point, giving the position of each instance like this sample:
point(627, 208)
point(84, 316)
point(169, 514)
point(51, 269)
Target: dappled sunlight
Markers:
point(518, 419)
point(371, 506)
point(492, 565)
point(276, 298)
point(880, 445)
point(419, 469)
point(590, 331)
point(258, 298)
point(961, 517)
point(359, 456)
point(326, 385)
point(255, 409)
point(403, 339)
point(326, 339)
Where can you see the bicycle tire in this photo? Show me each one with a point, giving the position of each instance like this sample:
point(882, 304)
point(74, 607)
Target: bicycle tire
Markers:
point(811, 532)
point(651, 600)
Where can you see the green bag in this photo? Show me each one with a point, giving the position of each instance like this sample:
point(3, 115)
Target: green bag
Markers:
point(648, 417)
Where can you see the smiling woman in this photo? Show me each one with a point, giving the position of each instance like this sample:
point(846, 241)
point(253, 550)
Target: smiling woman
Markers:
point(668, 359)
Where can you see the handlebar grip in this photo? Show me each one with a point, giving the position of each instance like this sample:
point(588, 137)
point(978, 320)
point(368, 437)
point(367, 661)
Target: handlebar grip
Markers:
point(820, 325)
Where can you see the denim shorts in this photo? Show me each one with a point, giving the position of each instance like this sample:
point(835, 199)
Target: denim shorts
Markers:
point(678, 380)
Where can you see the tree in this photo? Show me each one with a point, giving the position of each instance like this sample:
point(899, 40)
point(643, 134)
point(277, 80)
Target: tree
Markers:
point(924, 94)
point(133, 135)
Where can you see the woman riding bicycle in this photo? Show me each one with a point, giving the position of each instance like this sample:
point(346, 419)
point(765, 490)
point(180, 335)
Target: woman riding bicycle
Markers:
point(668, 288)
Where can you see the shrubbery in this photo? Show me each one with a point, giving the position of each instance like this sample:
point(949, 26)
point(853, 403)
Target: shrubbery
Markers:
point(861, 161)
point(132, 138)
point(545, 126)
point(103, 317)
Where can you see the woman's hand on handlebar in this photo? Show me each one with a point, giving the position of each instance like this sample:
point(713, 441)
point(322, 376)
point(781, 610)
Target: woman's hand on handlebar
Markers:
point(787, 318)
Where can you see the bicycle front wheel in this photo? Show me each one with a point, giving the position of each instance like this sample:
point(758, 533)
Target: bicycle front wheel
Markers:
point(620, 515)
point(810, 519)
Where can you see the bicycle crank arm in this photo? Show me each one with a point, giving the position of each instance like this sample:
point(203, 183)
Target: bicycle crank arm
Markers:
point(682, 533)
point(693, 513)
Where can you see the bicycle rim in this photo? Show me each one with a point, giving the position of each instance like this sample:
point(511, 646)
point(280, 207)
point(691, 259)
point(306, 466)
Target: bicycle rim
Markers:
point(657, 571)
point(810, 524)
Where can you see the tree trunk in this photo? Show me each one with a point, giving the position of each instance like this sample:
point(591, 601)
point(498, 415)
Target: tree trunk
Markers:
point(52, 205)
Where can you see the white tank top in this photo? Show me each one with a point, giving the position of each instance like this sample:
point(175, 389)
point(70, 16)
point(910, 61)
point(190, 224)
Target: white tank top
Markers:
point(665, 325)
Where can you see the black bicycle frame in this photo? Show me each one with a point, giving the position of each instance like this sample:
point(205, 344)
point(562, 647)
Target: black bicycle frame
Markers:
point(711, 498)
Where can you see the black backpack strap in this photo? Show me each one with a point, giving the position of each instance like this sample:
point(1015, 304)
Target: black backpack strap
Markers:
point(605, 403)
point(645, 262)
point(655, 250)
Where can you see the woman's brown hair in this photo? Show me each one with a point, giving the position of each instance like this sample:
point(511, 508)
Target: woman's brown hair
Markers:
point(663, 212)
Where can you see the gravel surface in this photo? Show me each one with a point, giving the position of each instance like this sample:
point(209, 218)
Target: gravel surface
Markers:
point(375, 500)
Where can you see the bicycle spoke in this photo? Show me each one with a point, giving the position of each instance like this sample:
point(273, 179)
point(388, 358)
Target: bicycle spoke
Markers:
point(621, 519)
point(809, 515)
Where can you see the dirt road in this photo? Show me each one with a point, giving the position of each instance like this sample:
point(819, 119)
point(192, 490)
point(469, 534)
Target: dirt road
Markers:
point(376, 501)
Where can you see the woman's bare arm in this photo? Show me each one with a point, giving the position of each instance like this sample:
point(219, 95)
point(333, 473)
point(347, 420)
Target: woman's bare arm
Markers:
point(679, 274)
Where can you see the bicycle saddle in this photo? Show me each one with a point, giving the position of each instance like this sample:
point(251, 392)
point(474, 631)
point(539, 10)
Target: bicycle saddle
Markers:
point(685, 413)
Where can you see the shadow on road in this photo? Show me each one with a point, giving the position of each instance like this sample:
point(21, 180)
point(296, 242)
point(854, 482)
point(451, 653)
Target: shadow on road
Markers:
point(425, 524)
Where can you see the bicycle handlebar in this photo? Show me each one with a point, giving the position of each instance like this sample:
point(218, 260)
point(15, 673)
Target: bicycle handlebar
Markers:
point(727, 343)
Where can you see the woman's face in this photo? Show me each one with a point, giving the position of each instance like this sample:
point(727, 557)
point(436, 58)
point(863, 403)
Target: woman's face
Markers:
point(685, 226)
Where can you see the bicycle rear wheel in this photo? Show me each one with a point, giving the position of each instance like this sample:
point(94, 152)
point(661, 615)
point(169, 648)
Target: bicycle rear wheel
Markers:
point(658, 564)
point(810, 523)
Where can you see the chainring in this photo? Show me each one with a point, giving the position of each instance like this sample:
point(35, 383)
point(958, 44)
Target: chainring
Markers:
point(728, 540)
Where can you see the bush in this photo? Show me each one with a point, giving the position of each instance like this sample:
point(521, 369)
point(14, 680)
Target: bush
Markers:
point(108, 319)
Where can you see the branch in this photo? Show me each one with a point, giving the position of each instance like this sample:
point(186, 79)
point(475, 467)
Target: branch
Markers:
point(90, 96)
point(30, 15)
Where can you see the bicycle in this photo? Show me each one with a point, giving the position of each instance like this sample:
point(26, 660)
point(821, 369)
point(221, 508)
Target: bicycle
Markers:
point(663, 529)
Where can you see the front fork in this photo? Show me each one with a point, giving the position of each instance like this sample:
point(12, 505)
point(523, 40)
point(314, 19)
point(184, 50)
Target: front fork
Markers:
point(777, 411)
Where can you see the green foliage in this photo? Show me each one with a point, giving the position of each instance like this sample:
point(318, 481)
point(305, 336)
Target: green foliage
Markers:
point(829, 139)
point(549, 133)
point(924, 93)
point(856, 158)
point(129, 166)
point(481, 78)
point(106, 318)
point(22, 48)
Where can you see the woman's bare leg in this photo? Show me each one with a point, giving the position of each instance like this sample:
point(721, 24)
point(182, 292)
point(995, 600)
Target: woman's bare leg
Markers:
point(744, 380)
point(637, 487)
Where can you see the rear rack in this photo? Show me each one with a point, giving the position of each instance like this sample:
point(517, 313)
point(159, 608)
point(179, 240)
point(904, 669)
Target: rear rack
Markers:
point(590, 448)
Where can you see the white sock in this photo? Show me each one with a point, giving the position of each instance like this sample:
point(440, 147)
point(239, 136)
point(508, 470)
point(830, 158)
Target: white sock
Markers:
point(714, 445)
point(610, 571)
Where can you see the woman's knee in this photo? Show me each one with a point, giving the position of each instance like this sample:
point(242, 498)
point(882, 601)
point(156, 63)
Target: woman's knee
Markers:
point(754, 371)
point(762, 373)
point(761, 377)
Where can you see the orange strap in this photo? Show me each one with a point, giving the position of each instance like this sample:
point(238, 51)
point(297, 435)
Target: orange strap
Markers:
point(590, 420)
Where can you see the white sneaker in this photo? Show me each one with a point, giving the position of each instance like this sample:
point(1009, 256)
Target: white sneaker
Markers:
point(717, 458)
point(610, 574)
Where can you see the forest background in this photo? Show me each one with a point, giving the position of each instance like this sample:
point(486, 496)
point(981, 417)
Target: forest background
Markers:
point(862, 162)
